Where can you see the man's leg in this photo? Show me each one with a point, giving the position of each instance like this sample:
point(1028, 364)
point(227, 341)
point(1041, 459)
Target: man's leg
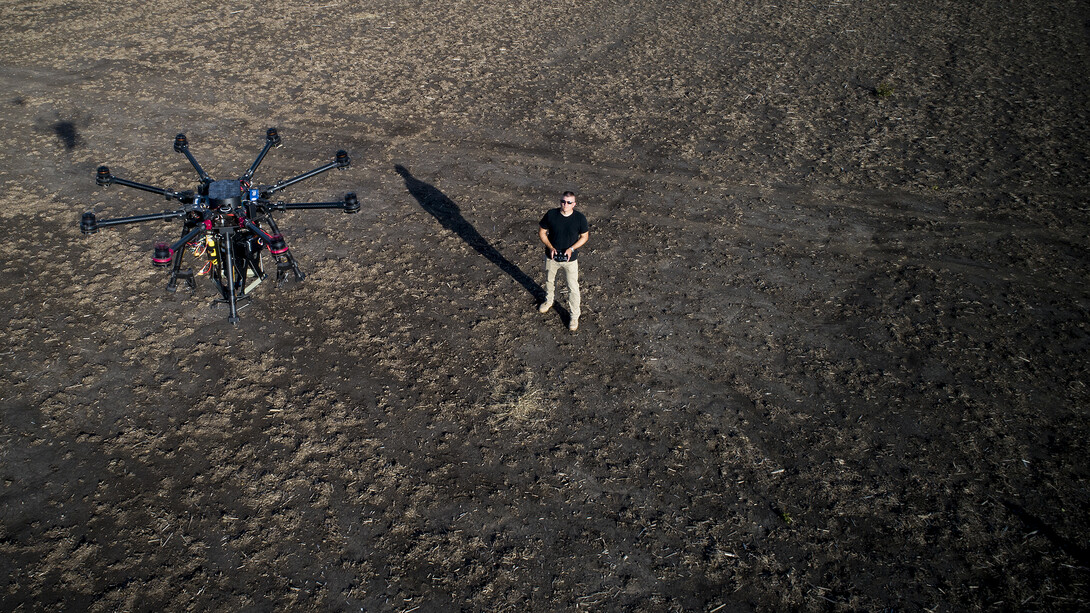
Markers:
point(550, 285)
point(571, 276)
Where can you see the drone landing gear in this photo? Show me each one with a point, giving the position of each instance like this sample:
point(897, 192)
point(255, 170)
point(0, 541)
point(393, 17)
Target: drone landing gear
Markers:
point(185, 275)
point(285, 261)
point(236, 305)
point(282, 268)
point(252, 281)
point(235, 294)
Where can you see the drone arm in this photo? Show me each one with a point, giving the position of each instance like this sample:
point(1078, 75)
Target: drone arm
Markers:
point(276, 243)
point(272, 139)
point(165, 254)
point(181, 242)
point(105, 179)
point(181, 145)
point(350, 204)
point(341, 161)
point(147, 188)
point(89, 224)
point(265, 236)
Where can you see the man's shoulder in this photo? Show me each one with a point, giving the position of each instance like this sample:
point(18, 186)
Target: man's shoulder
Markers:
point(549, 216)
point(581, 220)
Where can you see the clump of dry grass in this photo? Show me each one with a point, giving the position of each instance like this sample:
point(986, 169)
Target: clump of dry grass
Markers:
point(884, 89)
point(527, 403)
point(518, 399)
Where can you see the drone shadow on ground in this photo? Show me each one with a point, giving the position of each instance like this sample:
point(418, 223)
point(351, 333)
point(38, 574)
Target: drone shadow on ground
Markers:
point(450, 217)
point(66, 131)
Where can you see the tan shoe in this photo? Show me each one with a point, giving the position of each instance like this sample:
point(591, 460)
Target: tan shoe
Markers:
point(573, 325)
point(545, 306)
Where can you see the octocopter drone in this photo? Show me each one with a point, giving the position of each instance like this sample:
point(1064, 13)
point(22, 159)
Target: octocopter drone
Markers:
point(223, 226)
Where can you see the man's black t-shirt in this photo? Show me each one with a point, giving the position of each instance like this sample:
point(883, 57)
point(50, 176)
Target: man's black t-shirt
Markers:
point(563, 231)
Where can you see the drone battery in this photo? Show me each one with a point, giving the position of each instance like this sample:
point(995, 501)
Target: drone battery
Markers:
point(225, 194)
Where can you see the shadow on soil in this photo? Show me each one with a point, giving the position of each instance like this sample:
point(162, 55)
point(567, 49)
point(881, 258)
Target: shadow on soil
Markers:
point(450, 217)
point(66, 131)
point(1079, 554)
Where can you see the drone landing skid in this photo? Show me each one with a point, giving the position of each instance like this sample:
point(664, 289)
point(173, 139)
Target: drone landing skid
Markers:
point(240, 303)
point(222, 223)
point(185, 275)
point(282, 269)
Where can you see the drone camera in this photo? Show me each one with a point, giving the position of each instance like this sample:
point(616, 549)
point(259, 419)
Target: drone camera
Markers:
point(342, 159)
point(181, 143)
point(162, 255)
point(351, 203)
point(103, 176)
point(88, 225)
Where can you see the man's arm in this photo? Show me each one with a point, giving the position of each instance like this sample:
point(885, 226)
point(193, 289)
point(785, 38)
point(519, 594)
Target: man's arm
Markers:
point(543, 234)
point(579, 243)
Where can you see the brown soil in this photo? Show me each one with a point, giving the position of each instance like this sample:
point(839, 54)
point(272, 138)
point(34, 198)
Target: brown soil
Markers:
point(834, 350)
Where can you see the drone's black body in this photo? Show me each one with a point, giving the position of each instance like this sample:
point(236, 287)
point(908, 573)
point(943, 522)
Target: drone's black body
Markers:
point(223, 222)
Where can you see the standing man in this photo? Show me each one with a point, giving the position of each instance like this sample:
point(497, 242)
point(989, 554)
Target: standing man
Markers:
point(564, 231)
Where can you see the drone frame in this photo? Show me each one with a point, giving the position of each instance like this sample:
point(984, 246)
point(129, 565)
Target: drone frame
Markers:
point(222, 221)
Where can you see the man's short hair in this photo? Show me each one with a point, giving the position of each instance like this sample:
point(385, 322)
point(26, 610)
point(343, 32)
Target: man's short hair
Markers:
point(567, 194)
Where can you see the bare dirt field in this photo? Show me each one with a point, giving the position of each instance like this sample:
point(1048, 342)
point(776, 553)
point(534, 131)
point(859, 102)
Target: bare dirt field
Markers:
point(833, 355)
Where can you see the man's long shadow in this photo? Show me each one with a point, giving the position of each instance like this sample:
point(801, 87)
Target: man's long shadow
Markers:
point(450, 217)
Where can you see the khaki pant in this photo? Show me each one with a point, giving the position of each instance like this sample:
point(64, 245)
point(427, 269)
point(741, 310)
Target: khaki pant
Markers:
point(571, 277)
